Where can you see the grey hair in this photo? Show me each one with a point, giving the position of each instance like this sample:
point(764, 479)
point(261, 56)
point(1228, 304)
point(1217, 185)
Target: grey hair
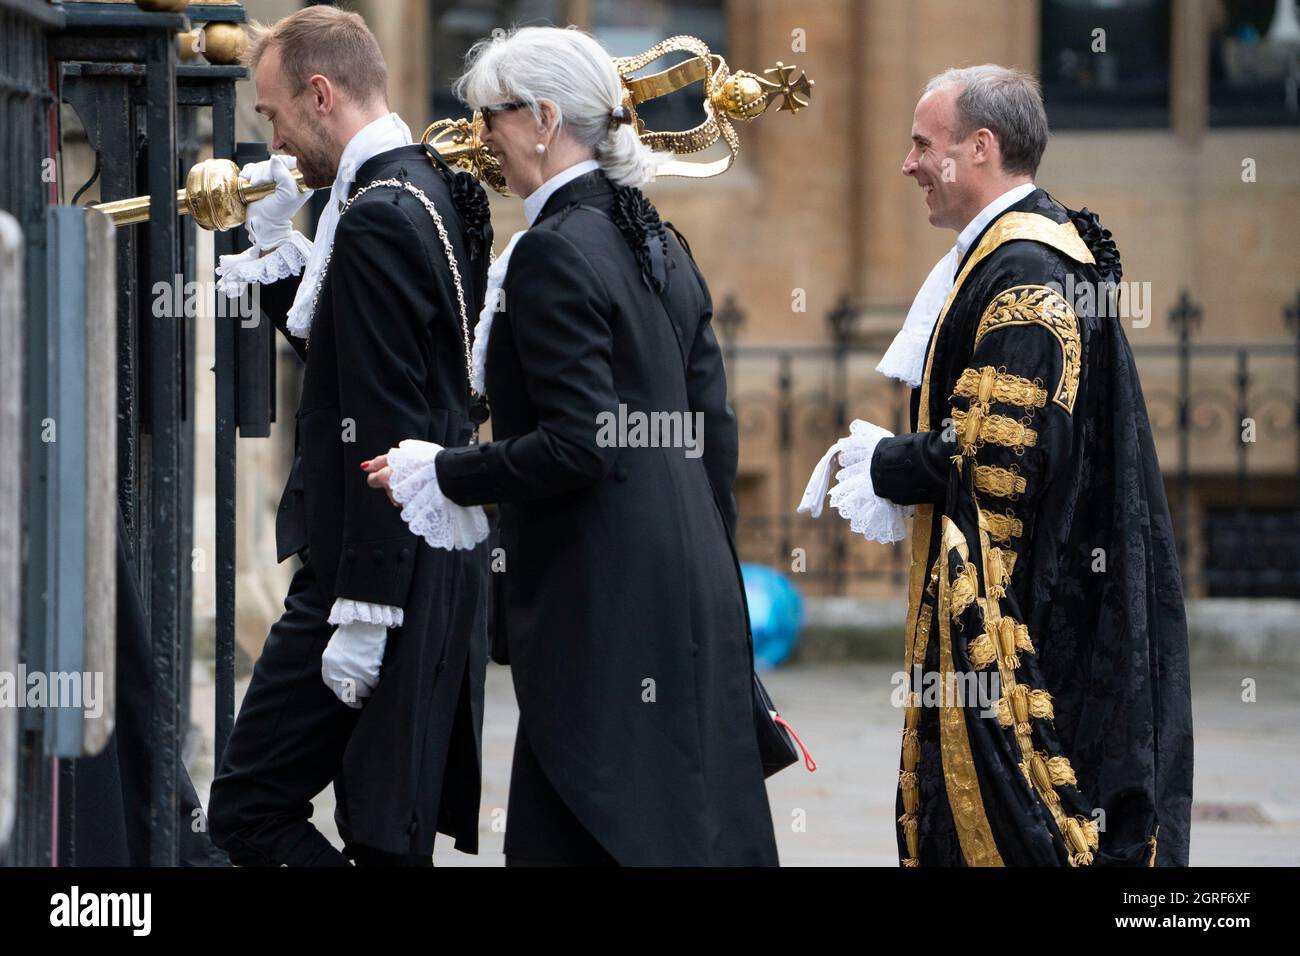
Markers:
point(570, 69)
point(1006, 101)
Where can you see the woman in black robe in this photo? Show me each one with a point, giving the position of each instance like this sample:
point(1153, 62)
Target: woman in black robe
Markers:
point(620, 602)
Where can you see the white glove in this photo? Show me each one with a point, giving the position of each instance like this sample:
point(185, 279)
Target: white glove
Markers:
point(352, 659)
point(269, 218)
point(820, 483)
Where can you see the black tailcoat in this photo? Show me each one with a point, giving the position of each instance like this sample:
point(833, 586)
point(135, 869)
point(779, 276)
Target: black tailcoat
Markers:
point(385, 361)
point(622, 604)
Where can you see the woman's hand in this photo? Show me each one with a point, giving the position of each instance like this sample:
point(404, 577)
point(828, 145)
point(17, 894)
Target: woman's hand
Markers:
point(379, 474)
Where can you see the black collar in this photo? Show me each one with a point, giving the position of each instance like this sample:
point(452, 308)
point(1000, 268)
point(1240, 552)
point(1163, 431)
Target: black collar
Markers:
point(378, 165)
point(587, 186)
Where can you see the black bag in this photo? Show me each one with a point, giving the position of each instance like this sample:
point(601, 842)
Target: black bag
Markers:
point(775, 748)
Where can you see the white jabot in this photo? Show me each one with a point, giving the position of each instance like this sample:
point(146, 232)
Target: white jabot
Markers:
point(496, 276)
point(387, 132)
point(905, 357)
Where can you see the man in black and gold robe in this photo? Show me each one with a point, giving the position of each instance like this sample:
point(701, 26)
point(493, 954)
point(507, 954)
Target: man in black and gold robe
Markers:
point(1049, 715)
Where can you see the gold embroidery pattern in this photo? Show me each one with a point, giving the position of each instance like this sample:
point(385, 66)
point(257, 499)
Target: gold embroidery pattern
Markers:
point(974, 428)
point(1039, 305)
point(1062, 237)
point(973, 831)
point(999, 482)
point(987, 384)
point(1002, 527)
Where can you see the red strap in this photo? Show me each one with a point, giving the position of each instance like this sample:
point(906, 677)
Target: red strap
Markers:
point(807, 757)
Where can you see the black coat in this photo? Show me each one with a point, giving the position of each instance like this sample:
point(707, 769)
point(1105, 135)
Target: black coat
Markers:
point(1056, 526)
point(622, 604)
point(385, 362)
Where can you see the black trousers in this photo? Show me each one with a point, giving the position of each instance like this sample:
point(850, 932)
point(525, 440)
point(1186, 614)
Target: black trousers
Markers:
point(286, 747)
point(541, 830)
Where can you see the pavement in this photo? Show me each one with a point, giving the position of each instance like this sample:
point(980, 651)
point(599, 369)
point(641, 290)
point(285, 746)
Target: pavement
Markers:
point(1246, 806)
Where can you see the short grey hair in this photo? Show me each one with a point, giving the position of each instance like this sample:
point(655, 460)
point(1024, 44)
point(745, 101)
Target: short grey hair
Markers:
point(1006, 101)
point(570, 69)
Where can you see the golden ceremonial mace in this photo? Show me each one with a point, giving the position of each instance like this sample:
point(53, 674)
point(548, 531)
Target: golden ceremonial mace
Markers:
point(218, 197)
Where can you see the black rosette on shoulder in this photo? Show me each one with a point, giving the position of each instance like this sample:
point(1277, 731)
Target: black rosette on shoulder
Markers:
point(471, 202)
point(639, 222)
point(1097, 238)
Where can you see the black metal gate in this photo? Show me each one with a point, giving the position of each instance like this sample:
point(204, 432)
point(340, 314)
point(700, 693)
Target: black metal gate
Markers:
point(118, 68)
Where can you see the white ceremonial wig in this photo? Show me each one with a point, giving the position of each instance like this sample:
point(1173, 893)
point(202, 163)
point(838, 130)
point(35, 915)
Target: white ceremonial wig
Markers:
point(570, 69)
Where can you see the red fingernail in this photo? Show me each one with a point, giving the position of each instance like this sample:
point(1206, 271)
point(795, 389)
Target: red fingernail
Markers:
point(365, 466)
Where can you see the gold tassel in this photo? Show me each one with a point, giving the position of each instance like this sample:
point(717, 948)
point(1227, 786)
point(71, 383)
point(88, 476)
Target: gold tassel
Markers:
point(912, 717)
point(1092, 831)
point(981, 651)
point(1004, 712)
point(911, 861)
point(1020, 707)
point(911, 749)
point(971, 432)
point(911, 800)
point(1043, 779)
point(1007, 642)
point(1040, 705)
point(1079, 841)
point(1061, 773)
point(1022, 639)
point(963, 590)
point(910, 834)
point(997, 570)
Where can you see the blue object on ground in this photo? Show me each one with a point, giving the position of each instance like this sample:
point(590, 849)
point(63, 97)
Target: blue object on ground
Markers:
point(775, 613)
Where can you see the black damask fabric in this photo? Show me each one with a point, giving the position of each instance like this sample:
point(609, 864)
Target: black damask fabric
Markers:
point(1058, 473)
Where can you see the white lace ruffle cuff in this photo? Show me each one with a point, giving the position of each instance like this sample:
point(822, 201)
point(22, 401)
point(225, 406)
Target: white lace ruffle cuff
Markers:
point(425, 509)
point(235, 273)
point(873, 517)
point(346, 611)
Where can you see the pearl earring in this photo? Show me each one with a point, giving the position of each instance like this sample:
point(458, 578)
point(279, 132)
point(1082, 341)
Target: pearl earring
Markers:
point(539, 148)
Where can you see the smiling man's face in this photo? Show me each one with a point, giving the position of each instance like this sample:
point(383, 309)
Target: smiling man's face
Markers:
point(937, 161)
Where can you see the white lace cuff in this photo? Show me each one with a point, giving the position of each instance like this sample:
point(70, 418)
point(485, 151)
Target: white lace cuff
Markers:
point(873, 517)
point(346, 611)
point(425, 509)
point(288, 258)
